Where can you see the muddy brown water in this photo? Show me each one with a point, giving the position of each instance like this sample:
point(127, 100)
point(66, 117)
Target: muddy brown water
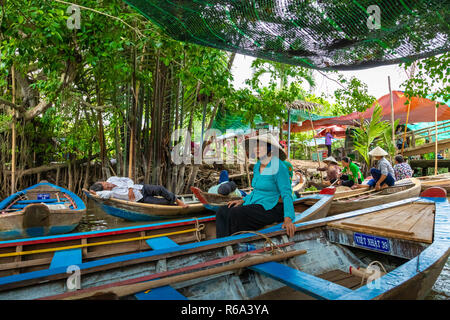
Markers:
point(96, 219)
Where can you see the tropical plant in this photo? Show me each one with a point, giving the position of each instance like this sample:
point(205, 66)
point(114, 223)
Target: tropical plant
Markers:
point(367, 135)
point(387, 142)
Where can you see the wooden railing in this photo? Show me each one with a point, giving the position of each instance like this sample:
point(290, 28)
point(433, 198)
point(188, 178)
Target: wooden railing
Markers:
point(427, 133)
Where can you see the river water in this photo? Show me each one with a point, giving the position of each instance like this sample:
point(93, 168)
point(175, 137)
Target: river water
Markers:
point(96, 219)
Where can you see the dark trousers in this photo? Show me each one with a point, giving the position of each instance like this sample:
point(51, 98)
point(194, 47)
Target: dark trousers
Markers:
point(346, 182)
point(329, 150)
point(249, 217)
point(150, 193)
point(376, 175)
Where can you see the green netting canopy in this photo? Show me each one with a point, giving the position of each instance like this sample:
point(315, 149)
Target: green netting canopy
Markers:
point(225, 119)
point(321, 34)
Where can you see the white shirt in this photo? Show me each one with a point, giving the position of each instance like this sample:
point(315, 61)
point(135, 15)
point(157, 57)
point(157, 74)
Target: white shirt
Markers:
point(121, 189)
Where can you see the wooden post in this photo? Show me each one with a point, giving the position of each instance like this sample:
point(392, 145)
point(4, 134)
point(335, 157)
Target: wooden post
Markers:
point(406, 126)
point(435, 140)
point(315, 143)
point(289, 134)
point(13, 142)
point(392, 110)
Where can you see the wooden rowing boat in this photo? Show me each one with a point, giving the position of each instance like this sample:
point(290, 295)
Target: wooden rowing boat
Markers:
point(441, 180)
point(137, 211)
point(36, 254)
point(363, 198)
point(40, 210)
point(407, 239)
point(301, 182)
point(212, 201)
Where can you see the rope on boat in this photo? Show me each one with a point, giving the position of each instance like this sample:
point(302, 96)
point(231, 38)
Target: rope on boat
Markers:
point(269, 247)
point(20, 253)
point(368, 267)
point(198, 229)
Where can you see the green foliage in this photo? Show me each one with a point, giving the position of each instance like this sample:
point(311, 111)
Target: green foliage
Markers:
point(354, 97)
point(366, 135)
point(431, 78)
point(387, 142)
point(5, 122)
point(270, 102)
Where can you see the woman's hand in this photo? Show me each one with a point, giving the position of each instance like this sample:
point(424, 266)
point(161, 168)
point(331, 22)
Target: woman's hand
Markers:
point(289, 226)
point(235, 203)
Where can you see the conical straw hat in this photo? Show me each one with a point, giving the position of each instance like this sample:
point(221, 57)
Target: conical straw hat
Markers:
point(268, 138)
point(378, 152)
point(330, 159)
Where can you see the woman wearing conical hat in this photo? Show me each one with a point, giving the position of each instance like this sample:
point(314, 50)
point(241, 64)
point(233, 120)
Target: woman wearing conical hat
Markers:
point(383, 175)
point(270, 183)
point(332, 169)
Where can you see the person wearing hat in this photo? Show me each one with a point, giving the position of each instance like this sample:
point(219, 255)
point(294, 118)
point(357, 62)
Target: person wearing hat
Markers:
point(270, 183)
point(332, 169)
point(382, 176)
point(226, 187)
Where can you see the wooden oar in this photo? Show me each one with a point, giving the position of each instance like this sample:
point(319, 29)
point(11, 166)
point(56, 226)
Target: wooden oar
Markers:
point(125, 290)
point(194, 267)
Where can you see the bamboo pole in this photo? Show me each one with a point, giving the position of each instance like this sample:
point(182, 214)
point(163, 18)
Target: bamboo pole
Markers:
point(315, 143)
point(130, 289)
point(13, 142)
point(392, 110)
point(406, 126)
point(435, 140)
point(289, 134)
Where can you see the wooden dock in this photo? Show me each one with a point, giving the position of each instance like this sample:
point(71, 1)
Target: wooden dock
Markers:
point(423, 165)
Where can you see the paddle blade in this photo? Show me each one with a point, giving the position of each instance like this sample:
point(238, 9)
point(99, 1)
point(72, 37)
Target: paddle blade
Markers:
point(198, 193)
point(434, 192)
point(329, 190)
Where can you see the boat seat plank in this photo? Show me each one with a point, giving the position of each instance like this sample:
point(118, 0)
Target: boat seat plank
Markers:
point(414, 221)
point(22, 206)
point(311, 285)
point(165, 292)
point(161, 243)
point(66, 258)
point(161, 293)
point(37, 201)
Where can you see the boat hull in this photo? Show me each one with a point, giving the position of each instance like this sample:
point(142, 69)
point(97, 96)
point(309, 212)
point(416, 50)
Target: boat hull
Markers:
point(341, 206)
point(322, 255)
point(134, 211)
point(34, 219)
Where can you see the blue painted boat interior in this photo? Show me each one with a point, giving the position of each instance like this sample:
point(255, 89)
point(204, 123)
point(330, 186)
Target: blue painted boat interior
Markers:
point(21, 204)
point(301, 281)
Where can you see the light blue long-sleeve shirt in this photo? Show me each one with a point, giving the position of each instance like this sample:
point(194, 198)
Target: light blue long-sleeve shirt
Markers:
point(270, 185)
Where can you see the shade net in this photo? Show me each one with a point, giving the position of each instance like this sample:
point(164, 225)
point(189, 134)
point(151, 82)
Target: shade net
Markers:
point(328, 34)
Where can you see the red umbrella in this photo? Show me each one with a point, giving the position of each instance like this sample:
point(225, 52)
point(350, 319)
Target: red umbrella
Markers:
point(337, 131)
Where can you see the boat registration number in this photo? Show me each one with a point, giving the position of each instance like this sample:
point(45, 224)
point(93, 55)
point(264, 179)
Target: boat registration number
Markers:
point(43, 196)
point(371, 242)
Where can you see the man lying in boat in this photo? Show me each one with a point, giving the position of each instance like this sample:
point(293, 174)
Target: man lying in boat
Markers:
point(226, 187)
point(125, 189)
